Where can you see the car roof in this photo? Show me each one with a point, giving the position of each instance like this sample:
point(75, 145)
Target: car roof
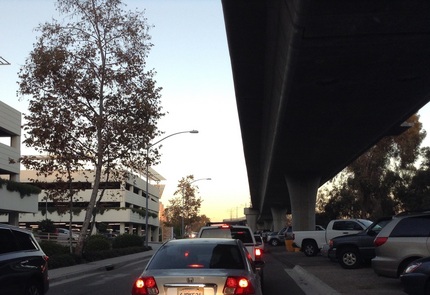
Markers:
point(226, 226)
point(203, 241)
point(14, 227)
point(406, 214)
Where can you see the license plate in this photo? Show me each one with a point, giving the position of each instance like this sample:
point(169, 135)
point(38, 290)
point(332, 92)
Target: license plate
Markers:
point(190, 291)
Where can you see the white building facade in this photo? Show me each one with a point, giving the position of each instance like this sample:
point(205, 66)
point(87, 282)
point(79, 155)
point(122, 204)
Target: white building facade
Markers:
point(122, 207)
point(11, 201)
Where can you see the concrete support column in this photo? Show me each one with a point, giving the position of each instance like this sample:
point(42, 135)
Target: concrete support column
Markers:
point(13, 218)
point(150, 232)
point(303, 192)
point(156, 234)
point(268, 224)
point(122, 228)
point(279, 215)
point(15, 142)
point(139, 229)
point(251, 217)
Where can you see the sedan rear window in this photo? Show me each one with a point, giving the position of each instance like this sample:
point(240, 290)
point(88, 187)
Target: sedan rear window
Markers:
point(228, 233)
point(198, 256)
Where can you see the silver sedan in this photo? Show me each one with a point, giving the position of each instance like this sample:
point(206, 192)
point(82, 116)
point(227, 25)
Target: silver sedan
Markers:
point(200, 267)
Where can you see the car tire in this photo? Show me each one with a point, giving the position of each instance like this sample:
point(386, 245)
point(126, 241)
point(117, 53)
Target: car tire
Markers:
point(349, 258)
point(310, 248)
point(274, 242)
point(33, 288)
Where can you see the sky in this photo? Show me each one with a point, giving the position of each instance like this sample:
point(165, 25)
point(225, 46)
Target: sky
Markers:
point(190, 56)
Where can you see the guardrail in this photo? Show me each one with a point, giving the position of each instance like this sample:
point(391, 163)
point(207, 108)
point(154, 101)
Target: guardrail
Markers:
point(58, 238)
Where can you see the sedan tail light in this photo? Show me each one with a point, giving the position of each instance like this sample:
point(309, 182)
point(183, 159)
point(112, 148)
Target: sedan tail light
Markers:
point(144, 286)
point(379, 241)
point(238, 285)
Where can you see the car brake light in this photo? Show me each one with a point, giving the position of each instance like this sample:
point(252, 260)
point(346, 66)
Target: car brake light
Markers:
point(225, 226)
point(379, 241)
point(258, 252)
point(145, 286)
point(238, 285)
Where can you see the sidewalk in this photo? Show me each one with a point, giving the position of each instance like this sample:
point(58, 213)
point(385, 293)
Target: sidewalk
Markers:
point(63, 273)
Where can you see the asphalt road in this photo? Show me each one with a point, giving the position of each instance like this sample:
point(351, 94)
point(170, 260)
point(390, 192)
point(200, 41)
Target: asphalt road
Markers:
point(362, 281)
point(285, 273)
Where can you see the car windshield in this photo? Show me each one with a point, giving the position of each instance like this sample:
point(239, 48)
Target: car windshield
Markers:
point(365, 222)
point(172, 256)
point(378, 226)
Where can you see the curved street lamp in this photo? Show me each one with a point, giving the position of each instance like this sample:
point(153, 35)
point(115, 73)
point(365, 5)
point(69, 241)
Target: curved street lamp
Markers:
point(183, 203)
point(147, 177)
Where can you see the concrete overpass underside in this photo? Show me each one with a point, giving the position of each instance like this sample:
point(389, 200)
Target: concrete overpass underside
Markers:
point(317, 83)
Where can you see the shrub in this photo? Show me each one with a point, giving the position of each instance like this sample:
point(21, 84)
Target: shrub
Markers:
point(61, 260)
point(53, 248)
point(47, 226)
point(127, 240)
point(97, 243)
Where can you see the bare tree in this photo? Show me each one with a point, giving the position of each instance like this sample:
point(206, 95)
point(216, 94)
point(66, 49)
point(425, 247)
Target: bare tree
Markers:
point(91, 98)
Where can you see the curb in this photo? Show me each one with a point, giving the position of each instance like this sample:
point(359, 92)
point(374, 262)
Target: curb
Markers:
point(59, 274)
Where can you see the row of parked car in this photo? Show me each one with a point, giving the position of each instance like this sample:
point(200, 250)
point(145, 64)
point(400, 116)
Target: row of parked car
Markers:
point(397, 246)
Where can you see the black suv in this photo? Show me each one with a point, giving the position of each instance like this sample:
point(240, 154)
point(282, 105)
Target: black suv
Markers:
point(23, 264)
point(351, 251)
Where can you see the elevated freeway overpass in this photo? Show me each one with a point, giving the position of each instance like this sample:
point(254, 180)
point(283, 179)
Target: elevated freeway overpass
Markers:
point(317, 83)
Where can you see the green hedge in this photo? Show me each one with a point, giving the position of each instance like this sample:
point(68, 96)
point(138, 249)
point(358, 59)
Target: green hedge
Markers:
point(97, 243)
point(96, 248)
point(127, 240)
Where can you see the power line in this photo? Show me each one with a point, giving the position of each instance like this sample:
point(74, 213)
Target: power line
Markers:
point(3, 62)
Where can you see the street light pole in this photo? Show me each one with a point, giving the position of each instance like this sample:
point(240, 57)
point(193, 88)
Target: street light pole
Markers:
point(183, 204)
point(147, 177)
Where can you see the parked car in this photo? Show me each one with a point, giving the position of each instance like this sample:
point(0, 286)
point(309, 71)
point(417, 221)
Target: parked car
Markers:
point(311, 242)
point(64, 234)
point(263, 233)
point(278, 238)
point(23, 264)
point(200, 266)
point(403, 240)
point(352, 251)
point(416, 277)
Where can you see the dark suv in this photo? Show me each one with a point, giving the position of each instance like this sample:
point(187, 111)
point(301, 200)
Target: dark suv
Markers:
point(351, 251)
point(23, 264)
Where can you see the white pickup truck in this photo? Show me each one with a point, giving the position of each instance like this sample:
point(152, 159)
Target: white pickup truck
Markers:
point(311, 242)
